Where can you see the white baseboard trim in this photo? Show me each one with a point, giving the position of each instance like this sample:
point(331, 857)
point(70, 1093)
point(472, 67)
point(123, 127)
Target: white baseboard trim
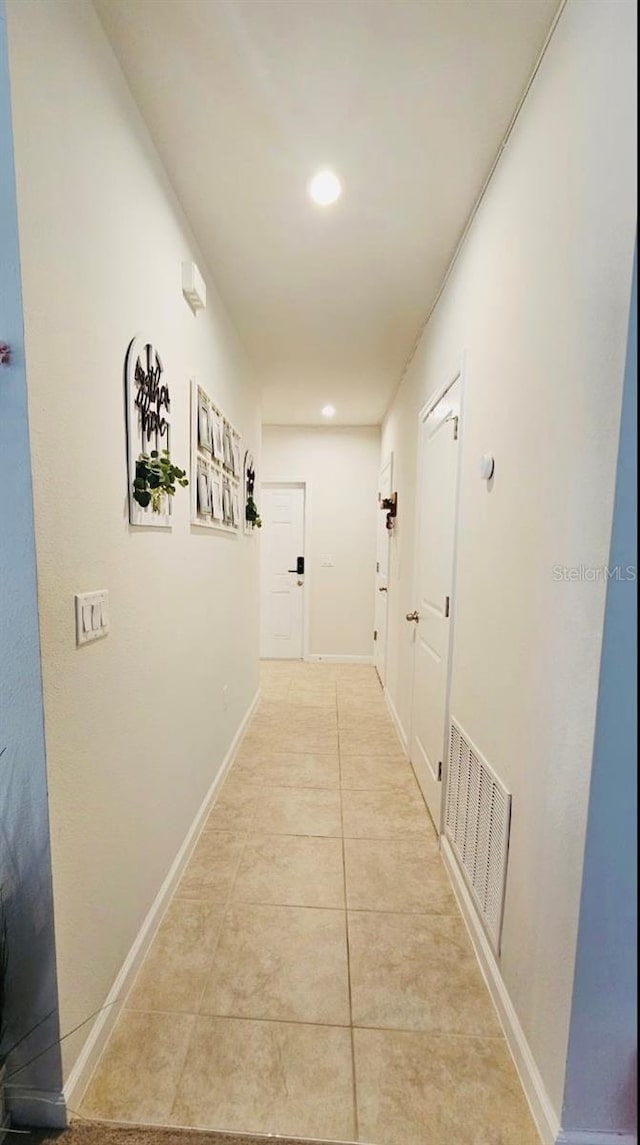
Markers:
point(36, 1108)
point(542, 1110)
point(85, 1065)
point(329, 658)
point(592, 1137)
point(404, 739)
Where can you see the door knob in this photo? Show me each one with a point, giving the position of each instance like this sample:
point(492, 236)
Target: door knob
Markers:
point(300, 582)
point(413, 616)
point(383, 590)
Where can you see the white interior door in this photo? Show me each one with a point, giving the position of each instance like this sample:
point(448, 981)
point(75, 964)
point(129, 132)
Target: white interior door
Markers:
point(435, 543)
point(281, 584)
point(382, 574)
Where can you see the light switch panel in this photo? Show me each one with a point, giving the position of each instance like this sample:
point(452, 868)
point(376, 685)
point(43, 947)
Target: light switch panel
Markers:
point(92, 615)
point(326, 562)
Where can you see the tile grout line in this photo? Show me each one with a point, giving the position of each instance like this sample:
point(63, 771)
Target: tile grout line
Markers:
point(356, 1118)
point(336, 909)
point(226, 908)
point(454, 1035)
point(175, 896)
point(418, 837)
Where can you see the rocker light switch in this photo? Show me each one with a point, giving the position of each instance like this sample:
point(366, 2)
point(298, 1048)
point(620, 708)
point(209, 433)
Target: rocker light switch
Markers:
point(92, 616)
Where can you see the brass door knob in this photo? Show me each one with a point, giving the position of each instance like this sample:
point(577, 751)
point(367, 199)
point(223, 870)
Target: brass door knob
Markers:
point(413, 616)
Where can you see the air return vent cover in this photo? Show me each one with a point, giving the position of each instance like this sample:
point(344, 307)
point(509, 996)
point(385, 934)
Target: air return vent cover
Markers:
point(193, 287)
point(477, 822)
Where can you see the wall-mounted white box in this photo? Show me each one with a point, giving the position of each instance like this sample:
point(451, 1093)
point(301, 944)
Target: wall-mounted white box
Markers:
point(193, 286)
point(92, 615)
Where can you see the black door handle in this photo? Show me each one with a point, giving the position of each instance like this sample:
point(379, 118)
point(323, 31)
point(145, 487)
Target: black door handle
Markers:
point(299, 569)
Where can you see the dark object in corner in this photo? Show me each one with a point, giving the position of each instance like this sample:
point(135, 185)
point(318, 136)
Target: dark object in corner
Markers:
point(390, 504)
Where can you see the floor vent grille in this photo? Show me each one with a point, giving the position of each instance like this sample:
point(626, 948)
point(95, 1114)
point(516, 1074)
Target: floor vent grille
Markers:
point(477, 823)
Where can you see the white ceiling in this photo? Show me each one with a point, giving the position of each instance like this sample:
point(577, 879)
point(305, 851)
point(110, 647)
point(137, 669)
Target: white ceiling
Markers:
point(407, 100)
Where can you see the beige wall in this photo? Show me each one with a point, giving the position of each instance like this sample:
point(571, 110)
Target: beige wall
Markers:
point(135, 723)
point(538, 305)
point(341, 469)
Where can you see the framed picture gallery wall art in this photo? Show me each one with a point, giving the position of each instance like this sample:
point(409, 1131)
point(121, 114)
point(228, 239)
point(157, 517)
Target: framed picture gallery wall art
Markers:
point(216, 469)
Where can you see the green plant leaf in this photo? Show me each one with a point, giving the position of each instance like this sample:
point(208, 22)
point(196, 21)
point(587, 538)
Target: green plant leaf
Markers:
point(155, 478)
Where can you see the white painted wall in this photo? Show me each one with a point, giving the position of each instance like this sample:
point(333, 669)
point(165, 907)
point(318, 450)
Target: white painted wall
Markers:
point(135, 723)
point(341, 468)
point(538, 301)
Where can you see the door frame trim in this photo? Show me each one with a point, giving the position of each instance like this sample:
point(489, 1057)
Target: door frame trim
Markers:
point(289, 483)
point(458, 373)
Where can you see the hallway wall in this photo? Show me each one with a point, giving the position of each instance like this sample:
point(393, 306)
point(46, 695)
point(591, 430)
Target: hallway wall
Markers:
point(31, 1017)
point(136, 728)
point(602, 1067)
point(341, 467)
point(537, 305)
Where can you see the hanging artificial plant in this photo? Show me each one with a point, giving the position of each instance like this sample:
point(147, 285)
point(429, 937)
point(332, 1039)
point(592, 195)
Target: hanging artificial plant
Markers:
point(251, 514)
point(156, 478)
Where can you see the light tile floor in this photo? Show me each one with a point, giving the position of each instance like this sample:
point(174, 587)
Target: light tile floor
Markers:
point(312, 976)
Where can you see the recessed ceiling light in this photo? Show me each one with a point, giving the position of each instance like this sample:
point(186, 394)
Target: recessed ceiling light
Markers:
point(328, 411)
point(324, 188)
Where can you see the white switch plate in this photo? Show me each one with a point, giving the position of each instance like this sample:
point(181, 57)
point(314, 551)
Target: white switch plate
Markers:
point(326, 562)
point(92, 615)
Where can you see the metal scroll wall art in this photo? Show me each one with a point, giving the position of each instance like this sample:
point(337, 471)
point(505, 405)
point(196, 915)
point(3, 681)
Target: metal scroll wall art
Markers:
point(153, 478)
point(216, 472)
